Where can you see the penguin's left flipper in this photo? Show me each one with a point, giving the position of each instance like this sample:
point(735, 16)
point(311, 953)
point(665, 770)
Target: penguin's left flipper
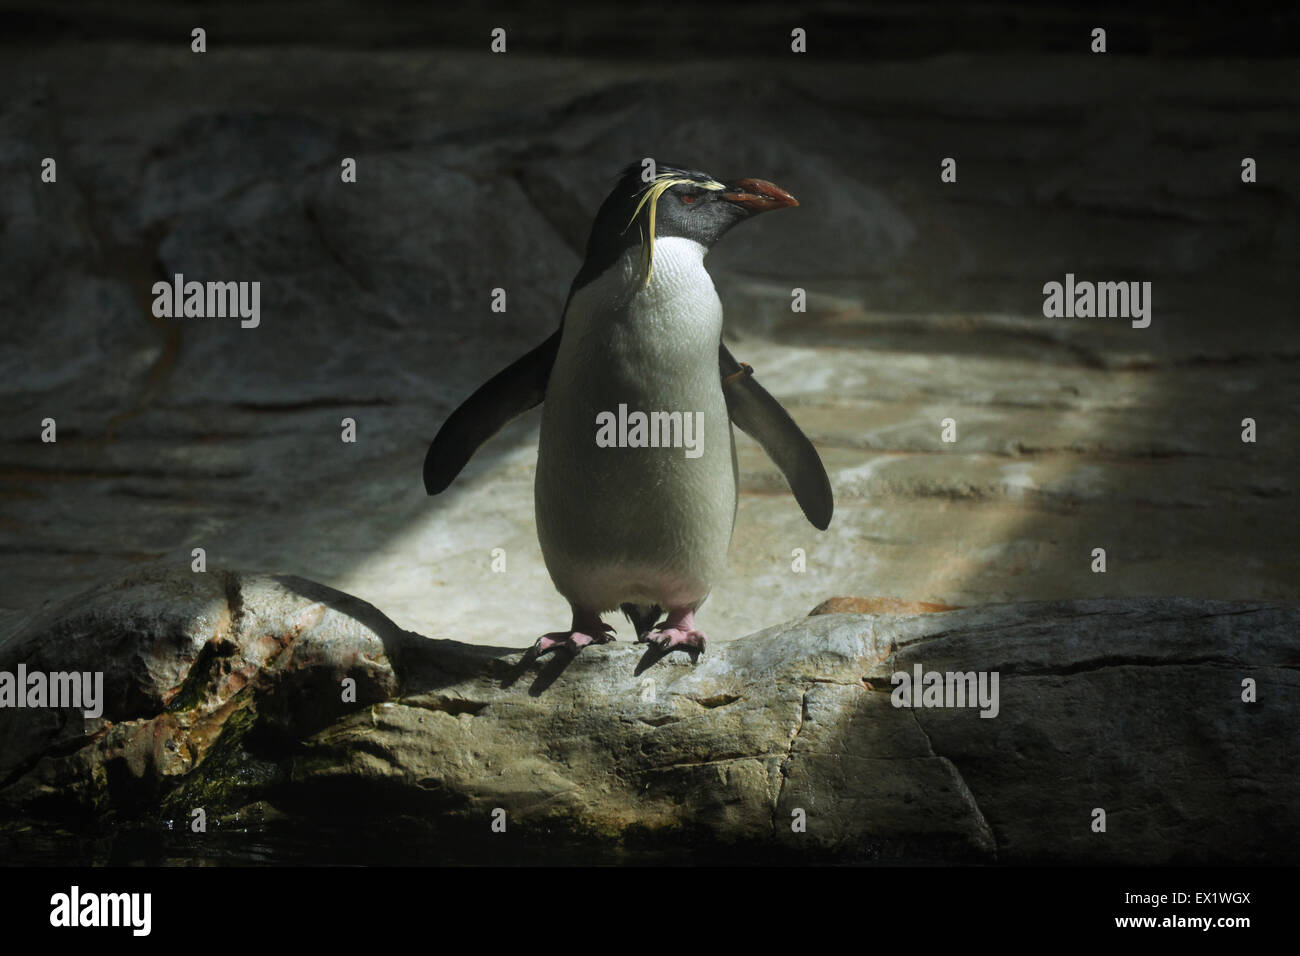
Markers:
point(500, 400)
point(762, 418)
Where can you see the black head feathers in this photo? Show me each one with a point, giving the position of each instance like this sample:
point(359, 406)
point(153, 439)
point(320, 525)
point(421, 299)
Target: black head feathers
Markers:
point(664, 200)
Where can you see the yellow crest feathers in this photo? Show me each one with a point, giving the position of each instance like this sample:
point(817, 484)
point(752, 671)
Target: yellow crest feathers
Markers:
point(657, 187)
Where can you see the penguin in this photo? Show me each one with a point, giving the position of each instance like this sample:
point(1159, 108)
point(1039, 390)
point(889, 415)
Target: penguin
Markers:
point(635, 493)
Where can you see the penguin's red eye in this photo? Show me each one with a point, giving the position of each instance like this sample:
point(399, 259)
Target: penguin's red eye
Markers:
point(688, 199)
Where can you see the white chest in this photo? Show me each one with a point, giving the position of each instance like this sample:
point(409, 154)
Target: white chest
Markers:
point(645, 524)
point(674, 322)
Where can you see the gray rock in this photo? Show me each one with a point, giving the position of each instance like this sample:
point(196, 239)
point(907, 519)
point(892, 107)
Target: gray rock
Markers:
point(923, 303)
point(223, 691)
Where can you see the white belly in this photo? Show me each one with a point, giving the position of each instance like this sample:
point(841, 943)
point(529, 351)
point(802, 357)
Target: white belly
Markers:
point(637, 524)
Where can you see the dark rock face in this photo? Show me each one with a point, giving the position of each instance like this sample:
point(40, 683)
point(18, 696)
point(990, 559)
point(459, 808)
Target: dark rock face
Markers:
point(266, 699)
point(226, 691)
point(924, 302)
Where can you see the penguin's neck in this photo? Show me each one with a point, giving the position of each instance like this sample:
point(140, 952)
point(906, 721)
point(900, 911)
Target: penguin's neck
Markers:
point(677, 317)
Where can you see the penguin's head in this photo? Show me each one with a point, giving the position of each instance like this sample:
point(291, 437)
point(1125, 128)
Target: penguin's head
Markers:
point(677, 202)
point(693, 205)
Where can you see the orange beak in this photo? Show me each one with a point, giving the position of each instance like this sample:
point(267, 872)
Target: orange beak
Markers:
point(758, 195)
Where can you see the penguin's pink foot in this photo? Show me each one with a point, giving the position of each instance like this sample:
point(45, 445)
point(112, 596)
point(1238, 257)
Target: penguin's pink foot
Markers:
point(670, 638)
point(587, 629)
point(676, 632)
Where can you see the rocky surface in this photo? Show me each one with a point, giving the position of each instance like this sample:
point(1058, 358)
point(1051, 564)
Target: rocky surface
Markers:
point(223, 693)
point(924, 303)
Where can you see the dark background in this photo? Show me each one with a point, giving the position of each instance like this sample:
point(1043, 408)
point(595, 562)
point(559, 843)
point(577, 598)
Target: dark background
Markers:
point(715, 29)
point(479, 171)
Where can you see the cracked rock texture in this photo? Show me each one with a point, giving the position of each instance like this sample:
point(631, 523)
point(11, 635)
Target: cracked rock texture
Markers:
point(224, 693)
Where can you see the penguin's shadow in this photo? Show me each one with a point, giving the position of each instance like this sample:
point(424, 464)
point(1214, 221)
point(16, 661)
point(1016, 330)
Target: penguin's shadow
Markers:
point(654, 654)
point(560, 661)
point(549, 673)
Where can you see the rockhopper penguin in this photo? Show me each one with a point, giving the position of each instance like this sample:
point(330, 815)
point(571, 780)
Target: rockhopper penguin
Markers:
point(639, 514)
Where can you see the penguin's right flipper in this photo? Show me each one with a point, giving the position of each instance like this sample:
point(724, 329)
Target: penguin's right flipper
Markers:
point(762, 418)
point(500, 400)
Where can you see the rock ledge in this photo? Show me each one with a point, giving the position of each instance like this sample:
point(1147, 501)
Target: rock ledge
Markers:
point(225, 691)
